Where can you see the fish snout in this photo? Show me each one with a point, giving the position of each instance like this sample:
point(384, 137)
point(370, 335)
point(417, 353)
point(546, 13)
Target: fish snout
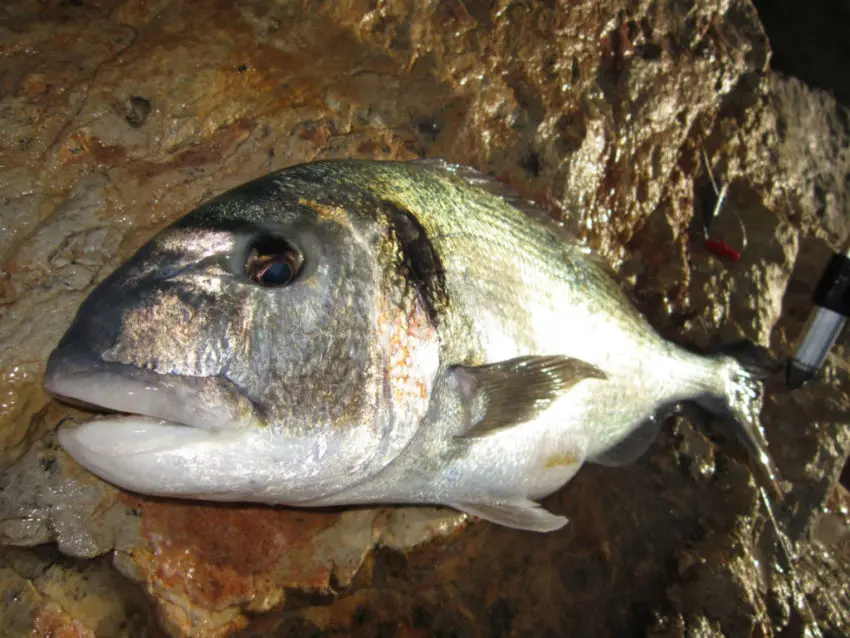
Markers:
point(209, 403)
point(64, 364)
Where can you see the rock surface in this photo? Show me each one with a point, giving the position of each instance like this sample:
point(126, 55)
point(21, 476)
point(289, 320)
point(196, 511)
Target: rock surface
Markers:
point(119, 116)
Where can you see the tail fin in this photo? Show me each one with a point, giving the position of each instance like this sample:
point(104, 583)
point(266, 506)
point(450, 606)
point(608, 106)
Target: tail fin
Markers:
point(746, 366)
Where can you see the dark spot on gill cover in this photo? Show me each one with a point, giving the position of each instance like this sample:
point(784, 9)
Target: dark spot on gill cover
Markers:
point(424, 269)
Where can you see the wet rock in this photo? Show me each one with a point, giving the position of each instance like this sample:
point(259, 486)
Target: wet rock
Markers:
point(206, 567)
point(48, 594)
point(120, 116)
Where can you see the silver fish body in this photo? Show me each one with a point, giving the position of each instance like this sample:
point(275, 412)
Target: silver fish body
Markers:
point(350, 332)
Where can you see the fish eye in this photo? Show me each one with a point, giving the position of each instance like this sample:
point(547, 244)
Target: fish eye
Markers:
point(273, 262)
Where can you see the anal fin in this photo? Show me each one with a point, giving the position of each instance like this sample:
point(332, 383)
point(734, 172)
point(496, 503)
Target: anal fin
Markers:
point(517, 390)
point(518, 513)
point(631, 448)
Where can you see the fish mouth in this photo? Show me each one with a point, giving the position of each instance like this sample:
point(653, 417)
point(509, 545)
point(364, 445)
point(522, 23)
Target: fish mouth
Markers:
point(151, 412)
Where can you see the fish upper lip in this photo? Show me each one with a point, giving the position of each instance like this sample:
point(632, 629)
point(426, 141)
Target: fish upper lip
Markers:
point(208, 403)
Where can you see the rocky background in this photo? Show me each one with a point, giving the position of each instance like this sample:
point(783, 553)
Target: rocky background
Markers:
point(118, 116)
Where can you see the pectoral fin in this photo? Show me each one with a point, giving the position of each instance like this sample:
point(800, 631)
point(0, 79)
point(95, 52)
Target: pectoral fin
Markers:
point(517, 390)
point(519, 513)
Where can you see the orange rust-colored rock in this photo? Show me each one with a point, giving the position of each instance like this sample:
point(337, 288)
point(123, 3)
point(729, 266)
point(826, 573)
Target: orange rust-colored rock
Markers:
point(220, 556)
point(51, 622)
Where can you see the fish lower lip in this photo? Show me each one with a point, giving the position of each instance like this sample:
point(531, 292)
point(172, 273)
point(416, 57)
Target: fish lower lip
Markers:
point(125, 436)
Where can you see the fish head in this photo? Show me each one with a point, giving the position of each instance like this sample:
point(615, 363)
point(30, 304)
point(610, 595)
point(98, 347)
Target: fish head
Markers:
point(263, 348)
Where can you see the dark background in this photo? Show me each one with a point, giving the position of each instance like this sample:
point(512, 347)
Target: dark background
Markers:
point(811, 41)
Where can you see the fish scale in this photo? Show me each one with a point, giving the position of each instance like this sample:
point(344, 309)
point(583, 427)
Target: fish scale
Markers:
point(429, 337)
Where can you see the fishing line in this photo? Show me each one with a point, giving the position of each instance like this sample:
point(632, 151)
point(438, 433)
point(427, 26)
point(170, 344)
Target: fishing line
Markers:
point(800, 598)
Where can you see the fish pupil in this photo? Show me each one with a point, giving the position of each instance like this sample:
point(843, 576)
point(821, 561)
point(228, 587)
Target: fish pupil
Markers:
point(276, 273)
point(273, 262)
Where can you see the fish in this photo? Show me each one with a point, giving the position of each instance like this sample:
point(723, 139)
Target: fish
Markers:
point(365, 332)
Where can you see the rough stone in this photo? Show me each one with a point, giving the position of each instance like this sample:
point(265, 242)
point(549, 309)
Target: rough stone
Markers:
point(118, 116)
